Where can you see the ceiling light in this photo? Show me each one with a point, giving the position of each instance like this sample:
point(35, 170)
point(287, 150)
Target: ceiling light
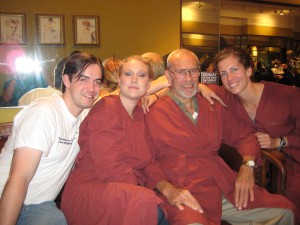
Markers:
point(281, 13)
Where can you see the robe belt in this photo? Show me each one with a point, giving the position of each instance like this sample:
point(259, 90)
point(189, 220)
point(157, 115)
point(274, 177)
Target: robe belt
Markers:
point(188, 156)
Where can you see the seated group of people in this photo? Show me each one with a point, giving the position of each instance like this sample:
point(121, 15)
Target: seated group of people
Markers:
point(124, 166)
point(285, 73)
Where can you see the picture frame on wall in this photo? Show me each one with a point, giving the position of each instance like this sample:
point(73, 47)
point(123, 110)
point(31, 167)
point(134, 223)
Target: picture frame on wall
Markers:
point(86, 30)
point(13, 28)
point(50, 29)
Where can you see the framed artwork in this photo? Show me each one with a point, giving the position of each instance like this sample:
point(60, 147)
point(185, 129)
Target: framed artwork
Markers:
point(13, 28)
point(50, 29)
point(86, 30)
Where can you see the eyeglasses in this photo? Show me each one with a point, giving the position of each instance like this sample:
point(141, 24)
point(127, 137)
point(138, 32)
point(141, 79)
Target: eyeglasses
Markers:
point(180, 74)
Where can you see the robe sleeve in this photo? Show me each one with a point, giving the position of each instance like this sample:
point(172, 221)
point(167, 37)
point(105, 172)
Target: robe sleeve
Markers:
point(153, 172)
point(238, 134)
point(103, 135)
point(294, 137)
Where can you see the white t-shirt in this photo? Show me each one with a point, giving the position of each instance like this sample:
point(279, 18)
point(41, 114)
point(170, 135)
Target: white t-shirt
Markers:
point(46, 125)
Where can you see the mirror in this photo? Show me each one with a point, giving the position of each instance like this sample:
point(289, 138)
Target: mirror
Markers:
point(272, 28)
point(20, 73)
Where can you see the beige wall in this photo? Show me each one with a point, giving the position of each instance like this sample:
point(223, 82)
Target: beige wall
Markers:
point(126, 27)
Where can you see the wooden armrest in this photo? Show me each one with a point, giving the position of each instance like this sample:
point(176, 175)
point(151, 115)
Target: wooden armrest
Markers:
point(277, 159)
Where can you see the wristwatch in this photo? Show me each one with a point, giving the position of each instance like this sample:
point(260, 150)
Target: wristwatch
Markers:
point(282, 143)
point(250, 163)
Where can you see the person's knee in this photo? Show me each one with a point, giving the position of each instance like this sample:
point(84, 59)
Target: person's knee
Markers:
point(288, 216)
point(45, 213)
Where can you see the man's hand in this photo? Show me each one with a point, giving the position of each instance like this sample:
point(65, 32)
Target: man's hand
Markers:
point(244, 187)
point(178, 197)
point(208, 94)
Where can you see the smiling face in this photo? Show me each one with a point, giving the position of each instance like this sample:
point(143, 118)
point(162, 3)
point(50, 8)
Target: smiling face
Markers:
point(187, 86)
point(134, 80)
point(235, 77)
point(82, 92)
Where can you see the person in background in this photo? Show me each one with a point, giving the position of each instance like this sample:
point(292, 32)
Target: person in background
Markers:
point(184, 134)
point(207, 65)
point(271, 109)
point(106, 185)
point(36, 93)
point(38, 156)
point(111, 71)
point(157, 63)
point(21, 83)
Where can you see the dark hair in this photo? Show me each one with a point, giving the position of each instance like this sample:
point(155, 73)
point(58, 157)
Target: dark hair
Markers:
point(77, 63)
point(75, 52)
point(241, 54)
point(58, 70)
point(206, 63)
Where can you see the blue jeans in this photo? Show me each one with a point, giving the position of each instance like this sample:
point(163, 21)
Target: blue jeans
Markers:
point(45, 213)
point(161, 218)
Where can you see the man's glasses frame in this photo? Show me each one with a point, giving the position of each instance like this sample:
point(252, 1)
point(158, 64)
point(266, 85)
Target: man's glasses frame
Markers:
point(181, 73)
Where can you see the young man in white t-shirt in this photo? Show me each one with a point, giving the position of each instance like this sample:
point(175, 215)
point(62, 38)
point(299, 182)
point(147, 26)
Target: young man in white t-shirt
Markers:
point(38, 156)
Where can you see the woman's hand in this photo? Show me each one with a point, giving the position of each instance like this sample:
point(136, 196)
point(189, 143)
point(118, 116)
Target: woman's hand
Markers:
point(266, 141)
point(147, 101)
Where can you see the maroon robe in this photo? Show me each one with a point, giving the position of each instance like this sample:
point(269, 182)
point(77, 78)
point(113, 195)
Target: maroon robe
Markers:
point(278, 114)
point(106, 185)
point(186, 154)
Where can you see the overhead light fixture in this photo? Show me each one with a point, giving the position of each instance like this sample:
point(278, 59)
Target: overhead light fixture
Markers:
point(281, 13)
point(254, 51)
point(275, 11)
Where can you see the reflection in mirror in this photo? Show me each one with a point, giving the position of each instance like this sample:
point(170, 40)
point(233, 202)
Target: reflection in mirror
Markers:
point(273, 28)
point(20, 73)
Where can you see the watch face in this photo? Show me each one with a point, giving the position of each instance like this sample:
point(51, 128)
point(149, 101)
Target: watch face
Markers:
point(251, 163)
point(282, 142)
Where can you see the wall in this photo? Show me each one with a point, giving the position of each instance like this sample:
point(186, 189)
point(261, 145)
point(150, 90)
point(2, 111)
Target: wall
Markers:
point(126, 27)
point(7, 114)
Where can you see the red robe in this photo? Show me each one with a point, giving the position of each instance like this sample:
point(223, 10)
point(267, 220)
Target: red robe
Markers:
point(106, 185)
point(186, 154)
point(277, 114)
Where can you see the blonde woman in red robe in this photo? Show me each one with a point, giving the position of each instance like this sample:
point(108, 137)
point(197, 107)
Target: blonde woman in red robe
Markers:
point(106, 185)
